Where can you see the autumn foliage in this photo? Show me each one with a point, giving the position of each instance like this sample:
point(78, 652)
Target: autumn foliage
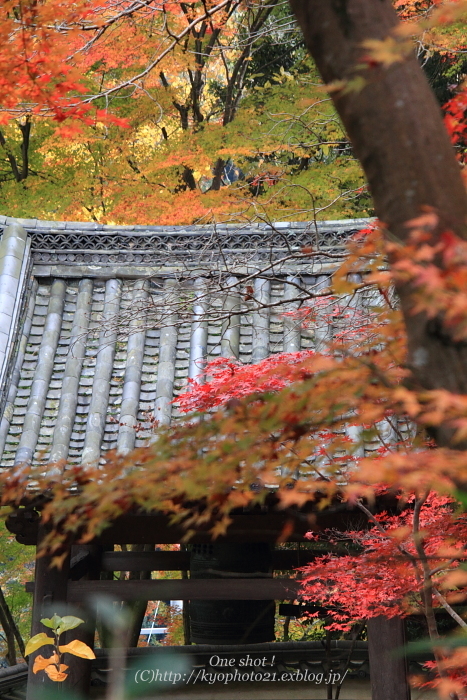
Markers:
point(384, 575)
point(52, 665)
point(205, 111)
point(338, 424)
point(411, 563)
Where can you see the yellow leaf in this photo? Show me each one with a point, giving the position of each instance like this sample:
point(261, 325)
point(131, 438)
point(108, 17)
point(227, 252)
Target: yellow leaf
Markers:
point(345, 86)
point(78, 648)
point(387, 51)
point(220, 527)
point(56, 674)
point(40, 663)
point(454, 578)
point(36, 642)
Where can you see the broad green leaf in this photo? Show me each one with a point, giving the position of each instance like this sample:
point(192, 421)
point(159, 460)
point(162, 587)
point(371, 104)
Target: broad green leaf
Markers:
point(47, 622)
point(52, 622)
point(36, 642)
point(69, 622)
point(78, 648)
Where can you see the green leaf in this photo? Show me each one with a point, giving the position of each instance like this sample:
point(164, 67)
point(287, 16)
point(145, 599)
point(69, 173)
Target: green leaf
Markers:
point(47, 622)
point(36, 642)
point(461, 496)
point(52, 622)
point(69, 622)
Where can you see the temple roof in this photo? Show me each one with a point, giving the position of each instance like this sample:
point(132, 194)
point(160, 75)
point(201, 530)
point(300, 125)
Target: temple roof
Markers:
point(100, 326)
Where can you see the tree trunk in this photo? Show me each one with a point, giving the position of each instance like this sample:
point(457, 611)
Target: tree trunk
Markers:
point(26, 136)
point(11, 630)
point(217, 175)
point(10, 639)
point(388, 671)
point(395, 126)
point(189, 178)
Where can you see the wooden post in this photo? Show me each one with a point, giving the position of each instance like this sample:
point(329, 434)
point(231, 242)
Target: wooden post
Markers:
point(79, 672)
point(388, 673)
point(50, 593)
point(138, 607)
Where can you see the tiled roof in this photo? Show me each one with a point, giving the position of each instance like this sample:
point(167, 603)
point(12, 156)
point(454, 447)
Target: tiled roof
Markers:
point(100, 326)
point(75, 244)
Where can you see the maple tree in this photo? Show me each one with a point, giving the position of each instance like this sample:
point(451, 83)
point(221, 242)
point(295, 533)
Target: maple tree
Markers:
point(208, 92)
point(404, 562)
point(365, 381)
point(401, 565)
point(399, 168)
point(211, 100)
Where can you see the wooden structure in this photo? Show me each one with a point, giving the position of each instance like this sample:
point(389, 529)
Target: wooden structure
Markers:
point(100, 327)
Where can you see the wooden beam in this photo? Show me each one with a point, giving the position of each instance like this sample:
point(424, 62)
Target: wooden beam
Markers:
point(264, 524)
point(146, 561)
point(289, 559)
point(245, 527)
point(282, 560)
point(187, 589)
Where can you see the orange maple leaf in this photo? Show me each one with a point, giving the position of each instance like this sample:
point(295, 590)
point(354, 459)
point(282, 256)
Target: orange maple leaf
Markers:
point(41, 663)
point(57, 674)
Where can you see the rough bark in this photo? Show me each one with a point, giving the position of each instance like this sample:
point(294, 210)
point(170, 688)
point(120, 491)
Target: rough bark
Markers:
point(217, 174)
point(395, 126)
point(10, 630)
point(388, 670)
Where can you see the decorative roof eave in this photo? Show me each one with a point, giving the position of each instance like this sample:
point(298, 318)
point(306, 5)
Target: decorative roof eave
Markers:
point(73, 249)
point(32, 225)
